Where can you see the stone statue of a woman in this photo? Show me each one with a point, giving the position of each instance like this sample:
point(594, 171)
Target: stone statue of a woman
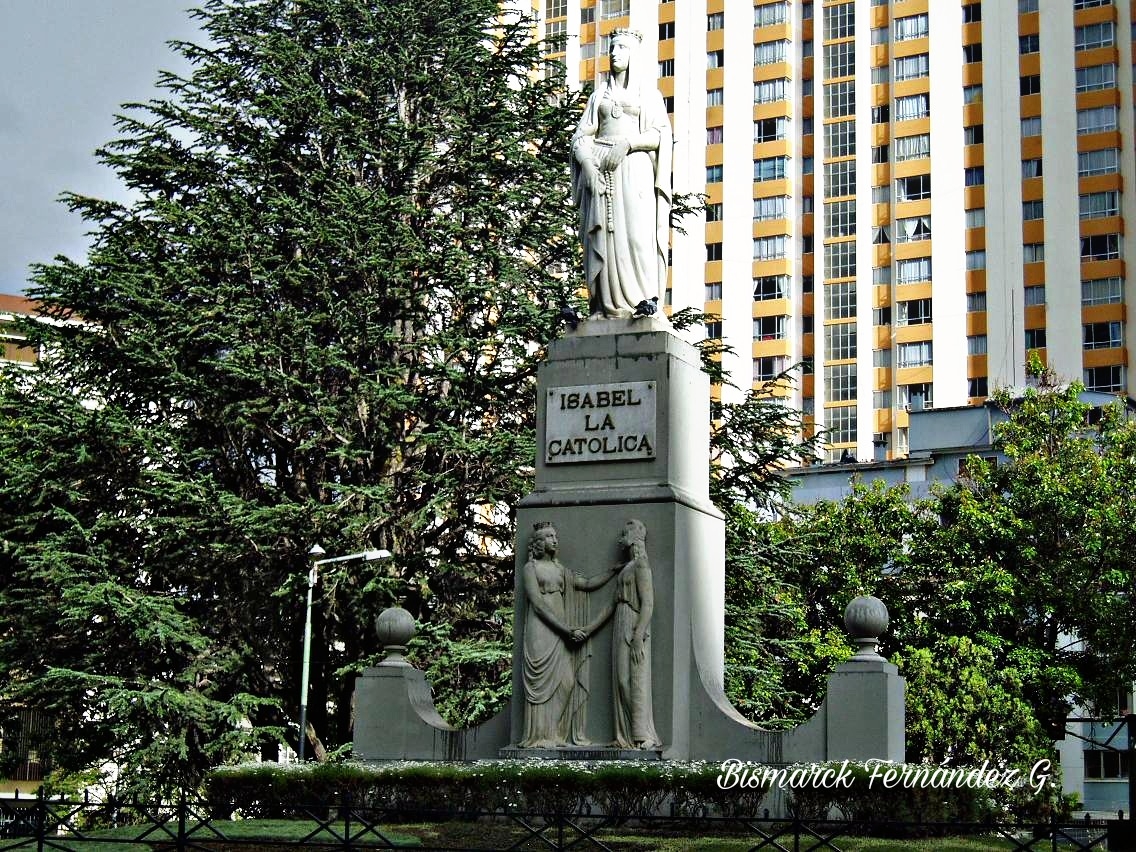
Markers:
point(555, 658)
point(631, 644)
point(621, 183)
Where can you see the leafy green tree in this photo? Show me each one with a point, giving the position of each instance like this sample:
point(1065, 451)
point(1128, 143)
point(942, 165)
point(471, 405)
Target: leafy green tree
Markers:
point(317, 321)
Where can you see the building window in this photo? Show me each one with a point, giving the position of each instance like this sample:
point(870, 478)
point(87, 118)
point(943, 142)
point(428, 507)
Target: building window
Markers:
point(768, 91)
point(714, 174)
point(774, 207)
point(770, 129)
point(714, 212)
point(714, 135)
point(715, 21)
point(879, 35)
point(770, 168)
point(1090, 4)
point(881, 358)
point(880, 75)
point(975, 134)
point(1029, 85)
point(1103, 161)
point(1035, 295)
point(915, 270)
point(975, 217)
point(770, 14)
point(713, 97)
point(977, 386)
point(881, 194)
point(913, 229)
point(840, 341)
point(1100, 763)
point(769, 52)
point(974, 176)
point(1102, 335)
point(841, 424)
point(881, 399)
point(880, 235)
point(840, 218)
point(915, 397)
point(715, 58)
point(1095, 77)
point(839, 59)
point(1092, 36)
point(1033, 210)
point(839, 21)
point(1031, 168)
point(1100, 247)
point(840, 383)
point(770, 248)
point(769, 328)
point(587, 15)
point(976, 260)
point(840, 259)
point(975, 302)
point(881, 316)
point(1097, 119)
point(714, 330)
point(912, 67)
point(840, 138)
point(1107, 379)
point(880, 154)
point(913, 188)
point(911, 107)
point(972, 53)
point(713, 251)
point(770, 287)
point(972, 14)
point(840, 178)
point(972, 94)
point(917, 354)
point(1033, 252)
point(913, 312)
point(1028, 44)
point(713, 291)
point(1035, 338)
point(840, 99)
point(666, 30)
point(667, 68)
point(840, 300)
point(1031, 125)
point(1027, 6)
point(913, 26)
point(616, 8)
point(881, 114)
point(767, 369)
point(1102, 291)
point(976, 345)
point(1097, 205)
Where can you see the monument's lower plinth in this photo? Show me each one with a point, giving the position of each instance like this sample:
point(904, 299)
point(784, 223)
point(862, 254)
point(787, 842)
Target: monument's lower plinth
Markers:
point(580, 753)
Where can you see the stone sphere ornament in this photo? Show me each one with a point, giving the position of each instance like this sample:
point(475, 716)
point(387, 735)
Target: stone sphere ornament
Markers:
point(395, 628)
point(865, 619)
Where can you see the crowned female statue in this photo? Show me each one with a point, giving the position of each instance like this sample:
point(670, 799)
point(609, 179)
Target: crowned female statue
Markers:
point(621, 184)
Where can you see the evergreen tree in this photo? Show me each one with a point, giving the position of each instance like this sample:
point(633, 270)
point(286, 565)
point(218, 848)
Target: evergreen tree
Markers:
point(317, 322)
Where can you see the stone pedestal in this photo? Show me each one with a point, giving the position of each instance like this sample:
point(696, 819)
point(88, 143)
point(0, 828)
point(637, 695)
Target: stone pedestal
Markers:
point(623, 410)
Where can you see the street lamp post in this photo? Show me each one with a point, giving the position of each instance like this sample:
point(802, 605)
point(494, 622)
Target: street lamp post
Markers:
point(313, 576)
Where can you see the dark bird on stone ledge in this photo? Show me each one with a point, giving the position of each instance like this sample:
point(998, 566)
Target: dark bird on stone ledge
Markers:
point(647, 307)
point(570, 317)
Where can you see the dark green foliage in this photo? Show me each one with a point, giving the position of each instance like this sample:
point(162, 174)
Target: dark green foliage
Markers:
point(318, 321)
point(991, 581)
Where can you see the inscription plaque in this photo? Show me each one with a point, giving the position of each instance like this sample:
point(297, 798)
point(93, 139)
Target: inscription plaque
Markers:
point(597, 423)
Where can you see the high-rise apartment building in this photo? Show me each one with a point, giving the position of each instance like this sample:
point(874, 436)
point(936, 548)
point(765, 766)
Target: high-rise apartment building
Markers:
point(905, 196)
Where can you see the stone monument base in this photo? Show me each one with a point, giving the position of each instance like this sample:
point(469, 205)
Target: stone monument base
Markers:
point(580, 753)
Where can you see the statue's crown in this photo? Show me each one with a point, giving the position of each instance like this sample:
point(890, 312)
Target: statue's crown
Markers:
point(541, 525)
point(624, 32)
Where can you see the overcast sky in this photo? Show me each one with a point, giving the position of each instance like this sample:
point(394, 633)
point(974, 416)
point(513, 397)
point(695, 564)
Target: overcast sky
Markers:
point(65, 67)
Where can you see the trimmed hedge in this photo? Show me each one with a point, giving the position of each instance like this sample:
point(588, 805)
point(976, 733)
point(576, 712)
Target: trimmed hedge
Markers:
point(622, 789)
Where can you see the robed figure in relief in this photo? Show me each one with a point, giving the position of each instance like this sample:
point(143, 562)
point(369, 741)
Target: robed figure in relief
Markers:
point(621, 184)
point(631, 644)
point(556, 630)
